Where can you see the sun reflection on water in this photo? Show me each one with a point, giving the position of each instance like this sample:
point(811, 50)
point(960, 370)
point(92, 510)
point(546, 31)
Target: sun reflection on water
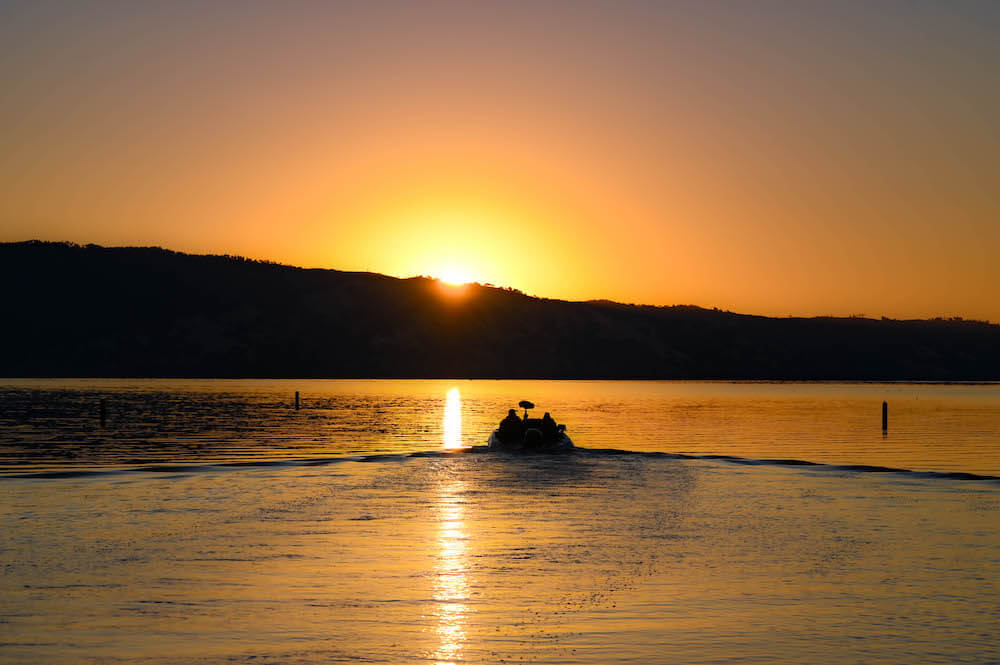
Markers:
point(451, 585)
point(453, 419)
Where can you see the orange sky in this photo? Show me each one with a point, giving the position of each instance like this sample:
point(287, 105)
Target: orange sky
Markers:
point(773, 158)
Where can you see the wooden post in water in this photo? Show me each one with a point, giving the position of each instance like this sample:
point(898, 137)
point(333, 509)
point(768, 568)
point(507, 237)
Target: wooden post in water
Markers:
point(296, 400)
point(885, 417)
point(104, 412)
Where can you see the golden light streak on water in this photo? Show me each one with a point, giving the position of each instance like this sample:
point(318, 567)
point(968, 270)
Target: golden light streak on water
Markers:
point(453, 419)
point(451, 584)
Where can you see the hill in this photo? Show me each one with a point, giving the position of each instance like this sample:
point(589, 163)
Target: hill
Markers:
point(92, 311)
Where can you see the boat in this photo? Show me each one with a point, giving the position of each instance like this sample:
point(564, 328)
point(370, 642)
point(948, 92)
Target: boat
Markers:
point(561, 442)
point(529, 434)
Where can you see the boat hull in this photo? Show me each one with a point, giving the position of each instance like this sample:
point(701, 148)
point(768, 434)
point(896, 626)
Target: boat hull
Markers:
point(562, 442)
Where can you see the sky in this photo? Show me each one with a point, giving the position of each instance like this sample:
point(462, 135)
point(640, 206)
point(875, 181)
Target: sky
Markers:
point(778, 158)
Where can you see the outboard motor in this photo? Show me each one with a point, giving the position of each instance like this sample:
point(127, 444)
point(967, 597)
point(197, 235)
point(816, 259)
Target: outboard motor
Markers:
point(533, 438)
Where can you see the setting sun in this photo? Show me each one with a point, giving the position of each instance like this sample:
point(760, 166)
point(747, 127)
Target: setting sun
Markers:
point(453, 276)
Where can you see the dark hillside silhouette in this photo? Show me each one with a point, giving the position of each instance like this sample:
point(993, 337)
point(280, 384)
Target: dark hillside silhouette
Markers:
point(73, 310)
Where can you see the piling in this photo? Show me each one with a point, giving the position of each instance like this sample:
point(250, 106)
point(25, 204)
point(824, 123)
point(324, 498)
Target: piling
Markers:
point(885, 417)
point(104, 412)
point(296, 400)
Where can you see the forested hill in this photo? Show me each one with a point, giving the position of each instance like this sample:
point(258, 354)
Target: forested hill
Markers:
point(75, 311)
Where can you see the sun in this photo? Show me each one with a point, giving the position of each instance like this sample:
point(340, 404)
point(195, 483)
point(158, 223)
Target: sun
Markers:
point(454, 276)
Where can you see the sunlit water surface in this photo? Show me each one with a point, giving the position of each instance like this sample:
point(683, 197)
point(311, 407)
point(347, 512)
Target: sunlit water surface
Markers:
point(945, 428)
point(210, 522)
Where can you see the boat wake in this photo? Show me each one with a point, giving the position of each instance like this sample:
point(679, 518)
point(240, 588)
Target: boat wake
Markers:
point(185, 469)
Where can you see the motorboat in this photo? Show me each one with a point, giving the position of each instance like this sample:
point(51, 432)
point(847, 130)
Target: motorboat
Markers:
point(528, 443)
point(529, 434)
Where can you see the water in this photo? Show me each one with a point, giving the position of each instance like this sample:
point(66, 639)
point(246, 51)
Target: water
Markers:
point(218, 525)
point(54, 423)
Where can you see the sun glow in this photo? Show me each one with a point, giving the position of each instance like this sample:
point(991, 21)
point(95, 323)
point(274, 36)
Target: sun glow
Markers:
point(456, 233)
point(454, 276)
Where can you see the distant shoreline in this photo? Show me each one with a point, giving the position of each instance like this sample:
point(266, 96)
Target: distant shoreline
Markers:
point(91, 311)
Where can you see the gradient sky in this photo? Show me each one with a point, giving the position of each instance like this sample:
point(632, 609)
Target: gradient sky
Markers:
point(765, 157)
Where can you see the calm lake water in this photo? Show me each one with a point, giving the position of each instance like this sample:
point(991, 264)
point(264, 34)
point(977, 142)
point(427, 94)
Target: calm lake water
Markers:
point(210, 522)
point(46, 423)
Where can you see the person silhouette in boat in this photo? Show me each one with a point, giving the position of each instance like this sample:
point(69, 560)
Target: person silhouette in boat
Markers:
point(511, 427)
point(549, 428)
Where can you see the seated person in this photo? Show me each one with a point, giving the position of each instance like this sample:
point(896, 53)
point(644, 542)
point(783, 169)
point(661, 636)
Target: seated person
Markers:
point(511, 427)
point(549, 428)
